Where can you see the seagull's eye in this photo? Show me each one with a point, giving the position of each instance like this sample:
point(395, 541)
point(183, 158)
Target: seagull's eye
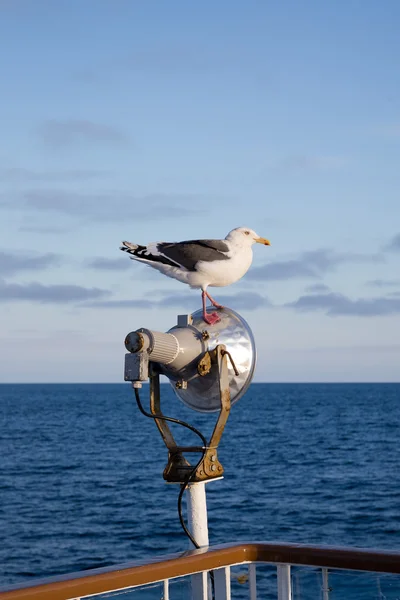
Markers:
point(247, 232)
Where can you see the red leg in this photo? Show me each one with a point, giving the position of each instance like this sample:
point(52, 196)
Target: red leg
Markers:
point(213, 302)
point(213, 317)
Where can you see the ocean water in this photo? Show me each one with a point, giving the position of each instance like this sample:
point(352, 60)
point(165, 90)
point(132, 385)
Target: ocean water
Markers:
point(82, 487)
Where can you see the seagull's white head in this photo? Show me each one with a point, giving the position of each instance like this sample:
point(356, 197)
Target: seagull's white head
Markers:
point(244, 236)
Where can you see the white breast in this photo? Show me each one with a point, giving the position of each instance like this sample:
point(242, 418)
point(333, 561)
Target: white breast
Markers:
point(225, 272)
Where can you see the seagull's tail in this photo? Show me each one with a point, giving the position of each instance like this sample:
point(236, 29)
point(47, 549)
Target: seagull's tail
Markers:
point(134, 250)
point(129, 247)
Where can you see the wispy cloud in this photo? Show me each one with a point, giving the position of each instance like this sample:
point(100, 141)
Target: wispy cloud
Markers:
point(394, 244)
point(242, 300)
point(361, 349)
point(117, 304)
point(109, 264)
point(48, 294)
point(339, 305)
point(22, 175)
point(60, 133)
point(382, 283)
point(43, 229)
point(282, 270)
point(317, 287)
point(11, 263)
point(105, 206)
point(310, 265)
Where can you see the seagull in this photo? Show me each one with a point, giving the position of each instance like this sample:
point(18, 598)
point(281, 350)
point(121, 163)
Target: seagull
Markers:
point(201, 263)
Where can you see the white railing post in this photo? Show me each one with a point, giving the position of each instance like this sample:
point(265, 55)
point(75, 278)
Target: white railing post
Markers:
point(325, 584)
point(284, 585)
point(252, 582)
point(222, 583)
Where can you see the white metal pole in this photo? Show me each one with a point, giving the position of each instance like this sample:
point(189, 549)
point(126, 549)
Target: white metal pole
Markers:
point(198, 527)
point(197, 512)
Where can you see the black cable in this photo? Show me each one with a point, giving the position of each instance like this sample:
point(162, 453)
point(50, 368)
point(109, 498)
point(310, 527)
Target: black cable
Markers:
point(169, 419)
point(191, 473)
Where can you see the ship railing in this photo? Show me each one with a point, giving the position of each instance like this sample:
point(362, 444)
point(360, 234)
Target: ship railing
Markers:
point(232, 571)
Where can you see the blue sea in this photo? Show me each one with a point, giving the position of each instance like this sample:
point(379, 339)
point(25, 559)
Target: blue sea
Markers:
point(82, 487)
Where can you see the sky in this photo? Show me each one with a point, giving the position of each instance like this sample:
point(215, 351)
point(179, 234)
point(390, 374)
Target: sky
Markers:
point(166, 121)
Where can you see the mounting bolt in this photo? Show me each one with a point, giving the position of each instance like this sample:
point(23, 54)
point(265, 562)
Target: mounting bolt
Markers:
point(181, 385)
point(213, 468)
point(212, 457)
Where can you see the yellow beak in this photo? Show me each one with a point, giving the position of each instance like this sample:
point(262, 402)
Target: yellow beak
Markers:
point(263, 241)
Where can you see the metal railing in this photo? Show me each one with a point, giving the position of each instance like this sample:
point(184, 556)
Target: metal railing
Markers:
point(218, 559)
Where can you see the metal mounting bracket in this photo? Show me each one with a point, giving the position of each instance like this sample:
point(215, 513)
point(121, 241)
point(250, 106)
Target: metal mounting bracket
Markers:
point(179, 468)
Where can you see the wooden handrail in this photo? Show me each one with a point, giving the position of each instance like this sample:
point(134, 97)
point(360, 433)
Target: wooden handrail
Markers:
point(117, 577)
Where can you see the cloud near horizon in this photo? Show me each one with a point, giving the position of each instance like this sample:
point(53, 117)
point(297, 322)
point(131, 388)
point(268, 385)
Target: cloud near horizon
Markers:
point(317, 287)
point(381, 283)
point(108, 264)
point(310, 265)
point(48, 230)
point(11, 263)
point(48, 294)
point(241, 300)
point(334, 304)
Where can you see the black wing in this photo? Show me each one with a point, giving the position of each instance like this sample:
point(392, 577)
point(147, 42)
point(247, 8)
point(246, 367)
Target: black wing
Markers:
point(188, 254)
